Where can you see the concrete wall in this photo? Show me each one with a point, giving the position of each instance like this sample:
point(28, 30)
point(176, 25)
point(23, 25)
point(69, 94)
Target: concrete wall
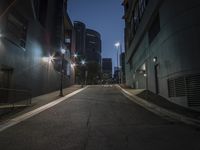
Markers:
point(29, 69)
point(176, 46)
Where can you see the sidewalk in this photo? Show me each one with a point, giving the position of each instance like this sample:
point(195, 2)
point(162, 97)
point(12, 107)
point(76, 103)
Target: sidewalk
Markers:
point(161, 106)
point(38, 102)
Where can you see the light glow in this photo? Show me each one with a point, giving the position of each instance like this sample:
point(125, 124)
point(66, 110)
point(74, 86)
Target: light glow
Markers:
point(75, 55)
point(155, 59)
point(73, 65)
point(51, 58)
point(47, 59)
point(117, 44)
point(63, 51)
point(83, 62)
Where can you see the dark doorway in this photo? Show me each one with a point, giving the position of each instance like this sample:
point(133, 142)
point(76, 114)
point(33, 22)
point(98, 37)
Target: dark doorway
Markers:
point(5, 83)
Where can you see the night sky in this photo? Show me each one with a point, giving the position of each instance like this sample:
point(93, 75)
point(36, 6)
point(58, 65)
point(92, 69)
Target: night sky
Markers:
point(104, 16)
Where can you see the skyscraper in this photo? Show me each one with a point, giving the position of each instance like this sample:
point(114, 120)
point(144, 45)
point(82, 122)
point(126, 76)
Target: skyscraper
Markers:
point(107, 68)
point(80, 34)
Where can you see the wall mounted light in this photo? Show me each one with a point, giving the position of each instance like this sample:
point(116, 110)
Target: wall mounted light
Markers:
point(83, 62)
point(154, 59)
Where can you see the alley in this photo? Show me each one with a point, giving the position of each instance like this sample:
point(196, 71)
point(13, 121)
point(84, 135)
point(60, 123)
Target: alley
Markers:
point(99, 118)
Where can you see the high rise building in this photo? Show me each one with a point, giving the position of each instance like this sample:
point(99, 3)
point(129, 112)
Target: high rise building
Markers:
point(80, 36)
point(93, 46)
point(162, 48)
point(107, 68)
point(122, 67)
point(88, 49)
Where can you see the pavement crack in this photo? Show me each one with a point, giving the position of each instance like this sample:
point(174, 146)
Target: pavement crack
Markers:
point(89, 116)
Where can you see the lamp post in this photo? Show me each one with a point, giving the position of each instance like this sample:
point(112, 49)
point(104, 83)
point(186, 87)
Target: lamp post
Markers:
point(75, 70)
point(118, 45)
point(83, 73)
point(62, 71)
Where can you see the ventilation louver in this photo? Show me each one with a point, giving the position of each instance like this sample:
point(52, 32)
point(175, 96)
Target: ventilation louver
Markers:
point(186, 86)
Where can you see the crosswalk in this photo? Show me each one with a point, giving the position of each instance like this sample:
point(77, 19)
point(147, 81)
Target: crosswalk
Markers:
point(104, 85)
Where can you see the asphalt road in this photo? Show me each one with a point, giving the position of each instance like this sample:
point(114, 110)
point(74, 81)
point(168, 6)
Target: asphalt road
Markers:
point(99, 118)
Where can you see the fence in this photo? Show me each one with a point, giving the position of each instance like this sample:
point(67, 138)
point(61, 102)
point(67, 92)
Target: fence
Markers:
point(11, 98)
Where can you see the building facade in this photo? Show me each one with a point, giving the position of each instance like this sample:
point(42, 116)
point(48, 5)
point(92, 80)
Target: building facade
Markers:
point(31, 31)
point(88, 50)
point(107, 68)
point(93, 46)
point(93, 56)
point(80, 30)
point(162, 48)
point(122, 68)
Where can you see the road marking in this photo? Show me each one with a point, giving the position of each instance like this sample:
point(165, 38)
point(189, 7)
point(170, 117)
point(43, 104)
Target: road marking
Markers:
point(32, 113)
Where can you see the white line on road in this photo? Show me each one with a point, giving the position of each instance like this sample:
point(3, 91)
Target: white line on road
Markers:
point(32, 113)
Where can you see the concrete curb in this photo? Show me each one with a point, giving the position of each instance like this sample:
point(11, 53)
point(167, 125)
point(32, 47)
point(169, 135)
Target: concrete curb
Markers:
point(159, 110)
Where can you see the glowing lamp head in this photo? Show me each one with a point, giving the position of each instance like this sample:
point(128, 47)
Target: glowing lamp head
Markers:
point(117, 44)
point(75, 55)
point(83, 62)
point(63, 51)
point(51, 58)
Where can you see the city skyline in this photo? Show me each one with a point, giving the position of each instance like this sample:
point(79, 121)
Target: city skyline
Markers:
point(108, 23)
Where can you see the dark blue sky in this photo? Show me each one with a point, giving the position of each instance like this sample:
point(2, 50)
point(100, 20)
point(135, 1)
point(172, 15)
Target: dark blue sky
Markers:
point(104, 16)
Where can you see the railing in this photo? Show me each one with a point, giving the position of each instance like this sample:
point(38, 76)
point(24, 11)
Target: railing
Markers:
point(10, 98)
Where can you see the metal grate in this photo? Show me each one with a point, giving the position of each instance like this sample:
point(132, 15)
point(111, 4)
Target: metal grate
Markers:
point(186, 86)
point(171, 88)
point(180, 87)
point(177, 87)
point(193, 90)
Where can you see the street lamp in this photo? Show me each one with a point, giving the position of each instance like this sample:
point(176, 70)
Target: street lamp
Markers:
point(62, 72)
point(83, 62)
point(84, 73)
point(75, 55)
point(118, 45)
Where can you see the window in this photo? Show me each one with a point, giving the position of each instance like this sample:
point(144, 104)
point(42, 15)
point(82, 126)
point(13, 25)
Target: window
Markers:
point(154, 29)
point(142, 6)
point(136, 18)
point(137, 14)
